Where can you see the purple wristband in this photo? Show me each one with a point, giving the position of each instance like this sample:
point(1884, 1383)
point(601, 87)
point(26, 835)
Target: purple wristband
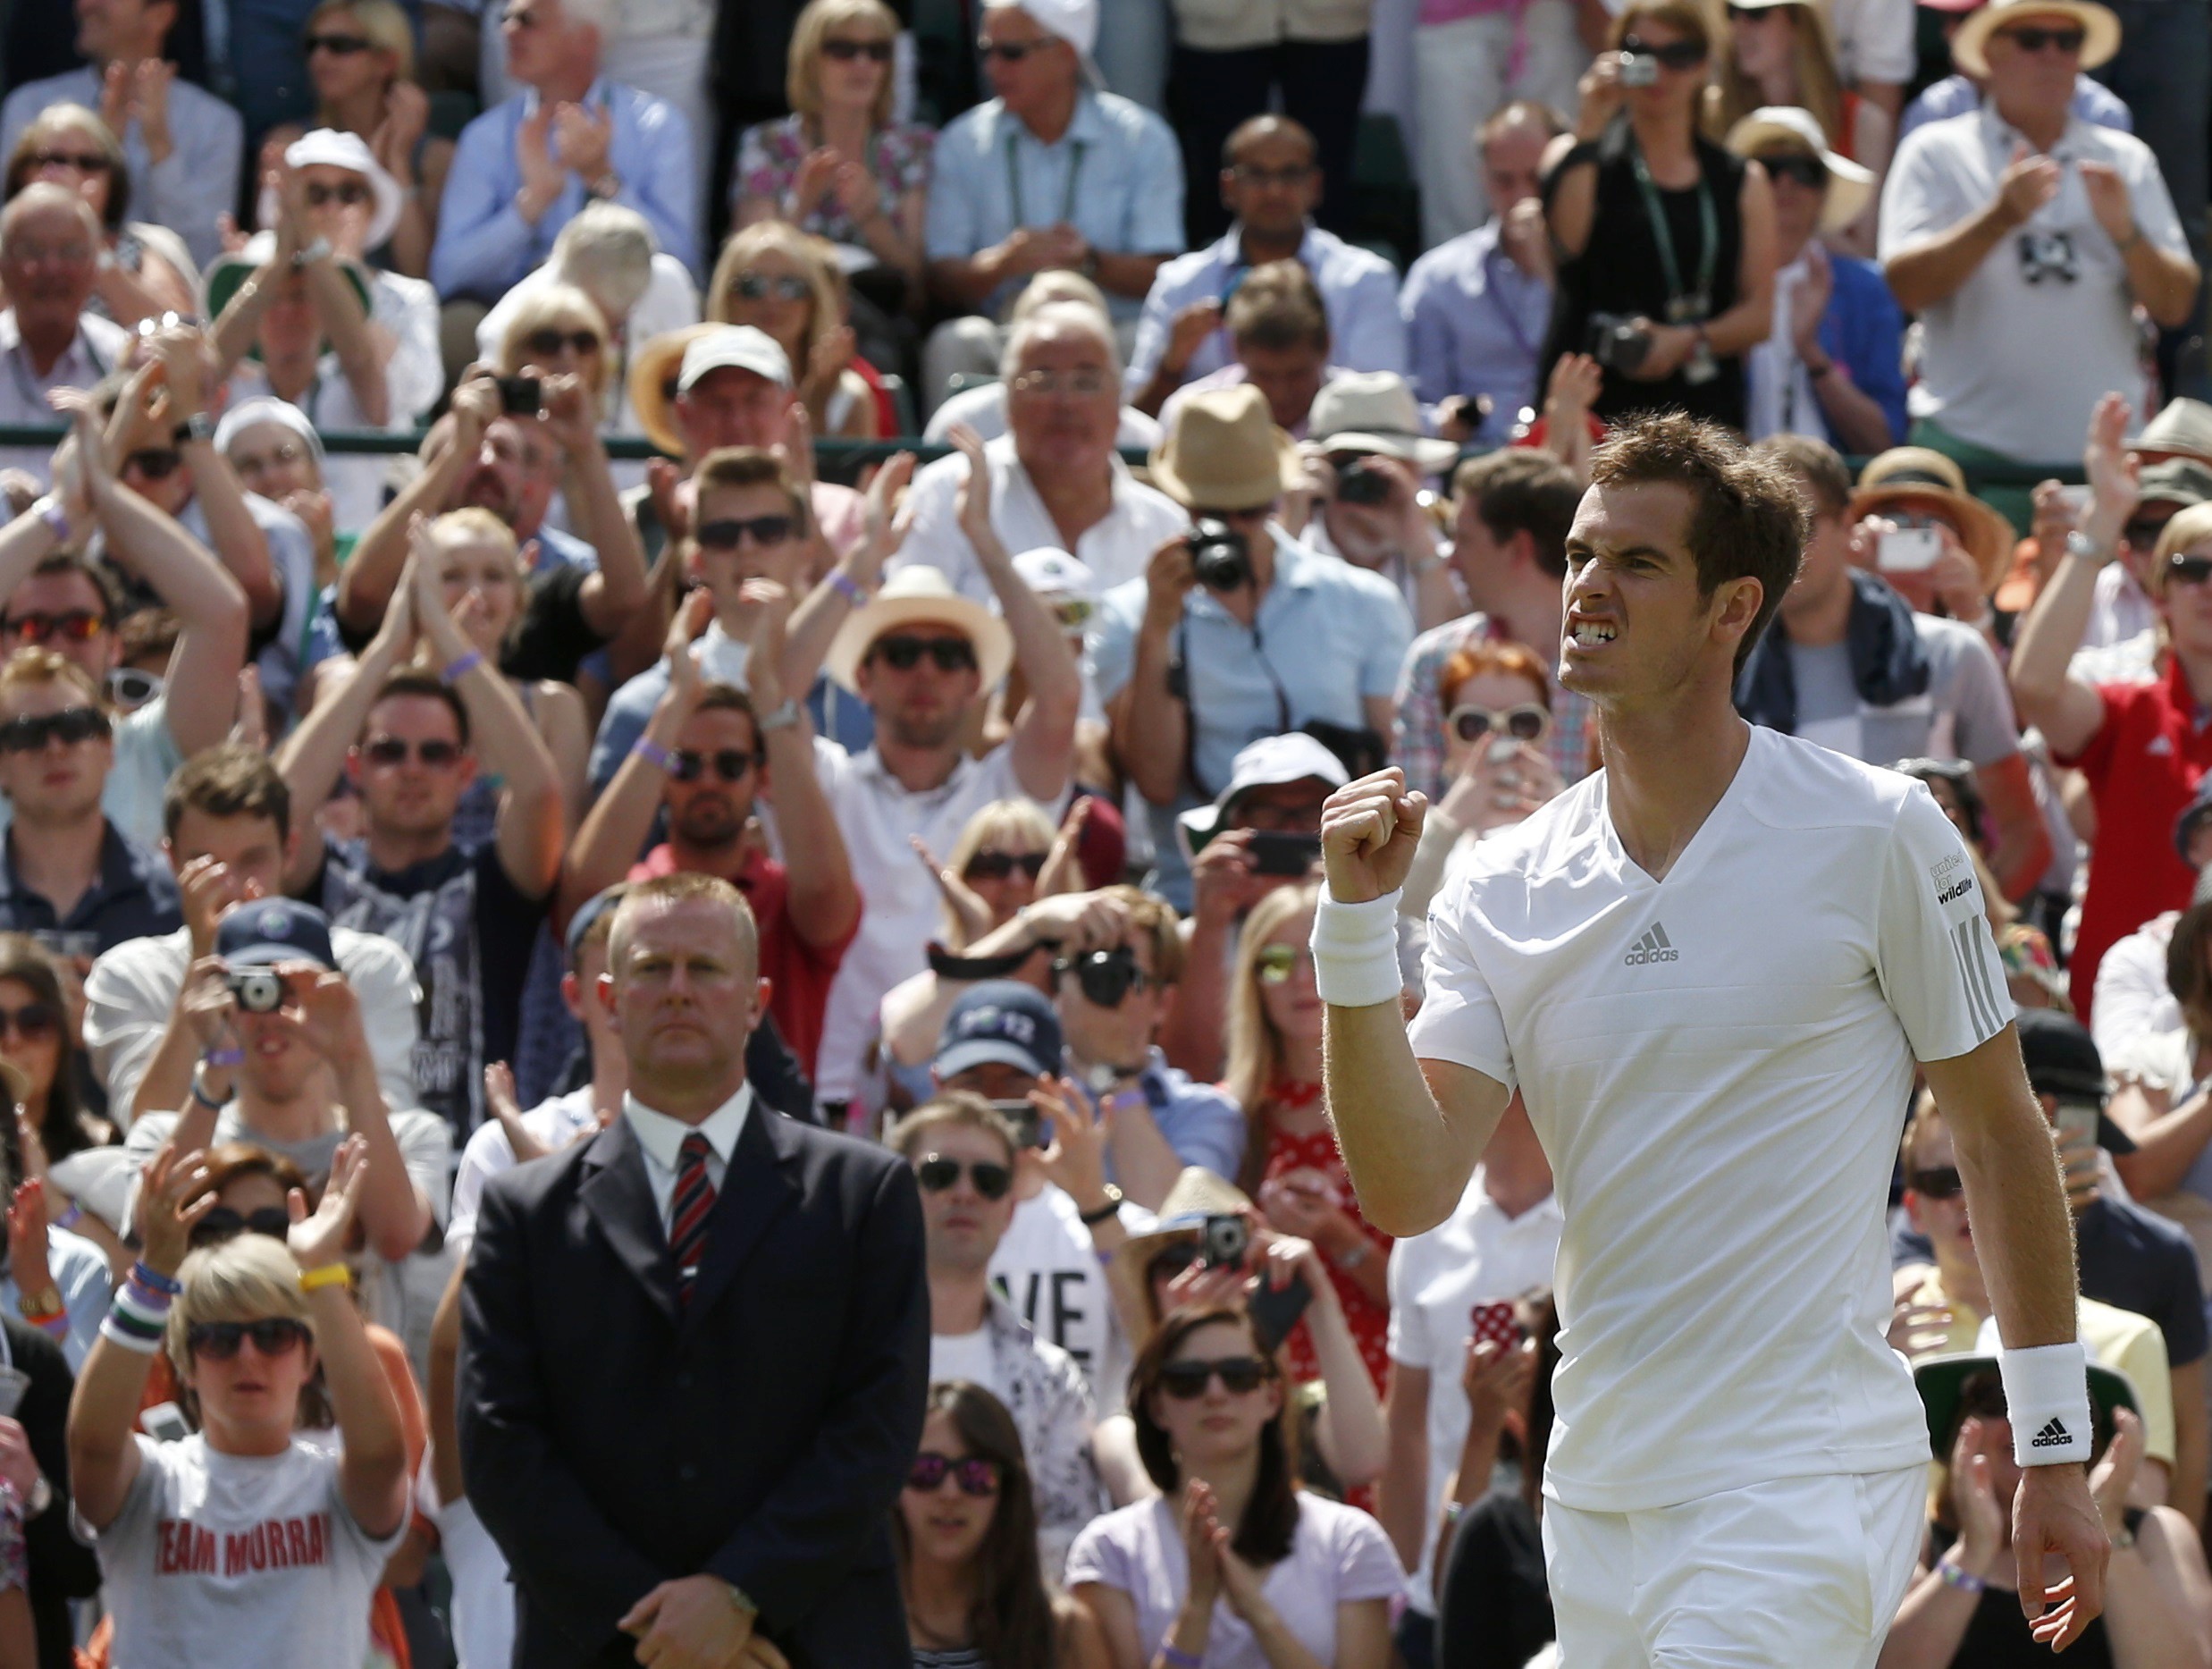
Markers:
point(461, 666)
point(650, 751)
point(849, 588)
point(56, 518)
point(1175, 1657)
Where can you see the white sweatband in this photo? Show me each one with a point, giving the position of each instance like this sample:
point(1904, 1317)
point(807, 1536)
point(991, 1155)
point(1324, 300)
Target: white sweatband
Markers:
point(1355, 950)
point(2046, 1400)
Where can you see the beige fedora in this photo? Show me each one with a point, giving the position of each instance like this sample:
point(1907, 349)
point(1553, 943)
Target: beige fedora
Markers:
point(909, 597)
point(2101, 27)
point(1225, 453)
point(1195, 1195)
point(1904, 473)
point(1791, 128)
point(2183, 428)
point(1375, 411)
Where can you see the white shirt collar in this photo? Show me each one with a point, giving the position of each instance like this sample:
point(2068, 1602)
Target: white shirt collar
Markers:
point(662, 1137)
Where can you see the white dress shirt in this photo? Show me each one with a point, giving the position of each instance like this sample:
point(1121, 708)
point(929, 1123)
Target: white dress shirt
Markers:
point(660, 1141)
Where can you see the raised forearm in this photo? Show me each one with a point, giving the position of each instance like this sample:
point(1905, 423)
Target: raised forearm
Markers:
point(103, 1410)
point(1350, 1422)
point(359, 346)
point(371, 575)
point(1143, 1161)
point(1853, 416)
point(1933, 270)
point(373, 1471)
point(233, 535)
point(2167, 1148)
point(2164, 281)
point(1408, 1163)
point(1197, 1023)
point(596, 507)
point(614, 830)
point(2048, 638)
point(1401, 1492)
point(392, 1209)
point(1152, 740)
point(233, 334)
point(824, 903)
point(168, 1076)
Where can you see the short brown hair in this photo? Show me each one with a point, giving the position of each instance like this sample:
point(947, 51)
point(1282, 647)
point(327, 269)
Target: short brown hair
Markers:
point(1521, 490)
point(1820, 466)
point(229, 779)
point(729, 468)
point(1153, 917)
point(93, 574)
point(953, 1107)
point(428, 686)
point(1278, 306)
point(1747, 517)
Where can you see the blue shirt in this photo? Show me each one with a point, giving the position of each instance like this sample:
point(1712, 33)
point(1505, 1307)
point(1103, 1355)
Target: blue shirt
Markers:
point(1474, 323)
point(1200, 1121)
point(1864, 329)
point(79, 1271)
point(484, 246)
point(195, 182)
point(1116, 175)
point(1956, 96)
point(133, 897)
point(1358, 288)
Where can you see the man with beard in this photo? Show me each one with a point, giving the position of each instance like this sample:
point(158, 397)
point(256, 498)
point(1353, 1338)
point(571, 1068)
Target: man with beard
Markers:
point(706, 754)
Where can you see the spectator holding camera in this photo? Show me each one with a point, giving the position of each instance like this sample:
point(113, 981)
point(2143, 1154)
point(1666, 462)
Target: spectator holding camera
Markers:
point(1665, 240)
point(1373, 508)
point(1235, 630)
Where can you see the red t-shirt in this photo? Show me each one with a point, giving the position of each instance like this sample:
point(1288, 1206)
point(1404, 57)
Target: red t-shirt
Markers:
point(2142, 767)
point(799, 974)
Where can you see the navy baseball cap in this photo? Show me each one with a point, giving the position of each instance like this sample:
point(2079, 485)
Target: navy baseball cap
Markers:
point(264, 931)
point(1002, 1021)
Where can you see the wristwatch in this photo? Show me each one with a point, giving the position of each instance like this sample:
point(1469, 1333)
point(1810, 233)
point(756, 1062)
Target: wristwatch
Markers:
point(782, 716)
point(198, 426)
point(1091, 1220)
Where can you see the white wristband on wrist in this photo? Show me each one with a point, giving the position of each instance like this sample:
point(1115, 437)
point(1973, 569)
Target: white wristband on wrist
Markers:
point(2047, 1401)
point(1355, 948)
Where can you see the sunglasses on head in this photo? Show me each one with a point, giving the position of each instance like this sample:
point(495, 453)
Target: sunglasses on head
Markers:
point(77, 626)
point(846, 51)
point(33, 731)
point(935, 1173)
point(352, 194)
point(34, 1022)
point(688, 764)
point(1940, 1181)
point(1010, 51)
point(1676, 55)
point(2032, 37)
point(1276, 962)
point(1797, 167)
point(989, 865)
point(783, 286)
point(904, 654)
point(273, 1335)
point(156, 463)
point(975, 1475)
point(393, 750)
point(224, 1223)
point(1526, 722)
point(1185, 1380)
point(550, 340)
point(83, 162)
point(339, 46)
point(2188, 571)
point(731, 531)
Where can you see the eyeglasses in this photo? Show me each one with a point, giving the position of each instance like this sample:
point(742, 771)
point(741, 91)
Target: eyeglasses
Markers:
point(1526, 722)
point(392, 750)
point(352, 194)
point(936, 1173)
point(1741, 15)
point(1939, 1182)
point(223, 1223)
point(2032, 38)
point(340, 45)
point(846, 51)
point(688, 764)
point(550, 341)
point(156, 463)
point(904, 654)
point(1010, 51)
point(975, 1475)
point(988, 865)
point(76, 626)
point(731, 531)
point(783, 286)
point(34, 1022)
point(273, 1335)
point(1083, 384)
point(1276, 962)
point(32, 731)
point(1297, 174)
point(1676, 55)
point(2188, 571)
point(1797, 167)
point(1185, 1380)
point(82, 162)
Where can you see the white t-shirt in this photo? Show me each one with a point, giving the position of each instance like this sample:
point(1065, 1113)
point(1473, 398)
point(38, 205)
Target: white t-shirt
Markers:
point(1717, 1065)
point(246, 1560)
point(1049, 1271)
point(556, 1123)
point(963, 1356)
point(1478, 1255)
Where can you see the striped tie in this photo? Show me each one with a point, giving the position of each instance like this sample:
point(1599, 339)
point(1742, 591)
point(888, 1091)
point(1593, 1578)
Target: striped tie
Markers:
point(692, 1205)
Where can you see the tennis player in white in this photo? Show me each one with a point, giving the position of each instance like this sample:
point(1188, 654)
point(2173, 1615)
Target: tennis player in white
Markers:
point(1710, 969)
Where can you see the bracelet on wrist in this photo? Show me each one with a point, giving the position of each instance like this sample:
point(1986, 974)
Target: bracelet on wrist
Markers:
point(325, 1275)
point(848, 587)
point(203, 1095)
point(1175, 1657)
point(653, 754)
point(41, 1306)
point(1958, 1576)
point(154, 1280)
point(461, 666)
point(70, 1218)
point(49, 510)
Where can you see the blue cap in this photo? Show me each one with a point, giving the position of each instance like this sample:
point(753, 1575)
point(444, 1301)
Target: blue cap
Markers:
point(264, 931)
point(1002, 1021)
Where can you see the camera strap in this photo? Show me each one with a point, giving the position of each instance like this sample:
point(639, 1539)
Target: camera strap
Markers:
point(1179, 686)
point(1683, 306)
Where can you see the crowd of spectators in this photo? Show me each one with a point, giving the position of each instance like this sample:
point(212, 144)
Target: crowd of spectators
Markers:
point(501, 550)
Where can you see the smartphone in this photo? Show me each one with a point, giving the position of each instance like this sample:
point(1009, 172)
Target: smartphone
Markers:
point(165, 1422)
point(1029, 1124)
point(1274, 854)
point(1225, 1241)
point(1498, 1323)
point(1276, 1309)
point(13, 1383)
point(521, 396)
point(1909, 550)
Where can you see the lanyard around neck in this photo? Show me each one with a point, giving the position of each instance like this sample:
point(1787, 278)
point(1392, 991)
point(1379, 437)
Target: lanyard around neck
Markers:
point(1076, 148)
point(1692, 303)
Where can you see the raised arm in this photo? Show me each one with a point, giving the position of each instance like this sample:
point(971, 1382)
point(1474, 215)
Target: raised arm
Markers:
point(394, 1215)
point(1148, 719)
point(823, 904)
point(371, 575)
point(616, 590)
point(857, 573)
point(1933, 269)
point(2163, 280)
point(233, 535)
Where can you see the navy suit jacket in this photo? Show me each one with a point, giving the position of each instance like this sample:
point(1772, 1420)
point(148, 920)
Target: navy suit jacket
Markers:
point(612, 1440)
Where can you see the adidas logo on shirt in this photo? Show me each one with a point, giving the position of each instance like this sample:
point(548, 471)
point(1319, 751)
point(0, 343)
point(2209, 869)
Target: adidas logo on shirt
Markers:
point(1652, 948)
point(2053, 1434)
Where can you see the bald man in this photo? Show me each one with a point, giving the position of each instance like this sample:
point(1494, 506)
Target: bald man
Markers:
point(50, 244)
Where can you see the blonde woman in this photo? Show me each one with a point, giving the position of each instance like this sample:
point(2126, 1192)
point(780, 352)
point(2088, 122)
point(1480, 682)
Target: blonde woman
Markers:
point(152, 271)
point(556, 330)
point(783, 282)
point(1780, 52)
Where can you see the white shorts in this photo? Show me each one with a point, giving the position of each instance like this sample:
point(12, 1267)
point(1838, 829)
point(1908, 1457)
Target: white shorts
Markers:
point(1781, 1575)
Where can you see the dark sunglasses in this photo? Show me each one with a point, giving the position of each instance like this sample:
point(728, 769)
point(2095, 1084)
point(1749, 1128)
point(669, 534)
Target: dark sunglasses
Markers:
point(1676, 55)
point(273, 1335)
point(1524, 723)
point(975, 1475)
point(392, 750)
point(727, 534)
point(2188, 571)
point(988, 865)
point(1107, 977)
point(1166, 1265)
point(1797, 167)
point(1941, 1183)
point(783, 286)
point(2143, 532)
point(77, 626)
point(340, 45)
point(1240, 1376)
point(904, 654)
point(846, 51)
point(936, 1173)
point(352, 194)
point(34, 1022)
point(688, 764)
point(156, 463)
point(83, 162)
point(224, 1223)
point(1011, 50)
point(33, 731)
point(2032, 38)
point(551, 342)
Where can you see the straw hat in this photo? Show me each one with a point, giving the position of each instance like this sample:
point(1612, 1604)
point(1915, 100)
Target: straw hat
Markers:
point(1905, 473)
point(912, 596)
point(669, 364)
point(1225, 453)
point(1196, 1195)
point(1849, 185)
point(1375, 411)
point(2102, 28)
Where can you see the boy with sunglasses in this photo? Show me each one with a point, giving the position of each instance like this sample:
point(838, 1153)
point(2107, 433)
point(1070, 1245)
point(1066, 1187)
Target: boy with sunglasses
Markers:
point(962, 1153)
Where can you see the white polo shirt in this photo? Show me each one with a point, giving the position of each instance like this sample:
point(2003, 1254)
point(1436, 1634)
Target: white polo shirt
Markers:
point(1478, 1255)
point(1717, 1065)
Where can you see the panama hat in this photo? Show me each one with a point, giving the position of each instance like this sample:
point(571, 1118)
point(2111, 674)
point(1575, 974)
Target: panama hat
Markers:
point(672, 362)
point(1905, 473)
point(2183, 425)
point(916, 593)
point(1225, 453)
point(228, 272)
point(1375, 411)
point(1195, 1195)
point(1849, 185)
point(2101, 27)
point(331, 147)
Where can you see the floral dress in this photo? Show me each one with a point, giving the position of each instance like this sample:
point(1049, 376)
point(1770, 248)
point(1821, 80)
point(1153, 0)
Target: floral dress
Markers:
point(1369, 1321)
point(768, 163)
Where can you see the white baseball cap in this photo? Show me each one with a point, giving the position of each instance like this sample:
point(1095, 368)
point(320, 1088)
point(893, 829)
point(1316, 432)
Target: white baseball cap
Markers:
point(738, 346)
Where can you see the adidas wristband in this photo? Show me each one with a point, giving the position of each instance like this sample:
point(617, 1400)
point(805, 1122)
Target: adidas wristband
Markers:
point(1355, 948)
point(2046, 1400)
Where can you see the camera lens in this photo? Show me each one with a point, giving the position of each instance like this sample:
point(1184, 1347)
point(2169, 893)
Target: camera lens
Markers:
point(1218, 556)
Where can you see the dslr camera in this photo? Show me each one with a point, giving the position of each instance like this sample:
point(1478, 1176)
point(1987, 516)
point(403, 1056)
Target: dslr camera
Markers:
point(1218, 555)
point(1616, 343)
point(1359, 482)
point(256, 990)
